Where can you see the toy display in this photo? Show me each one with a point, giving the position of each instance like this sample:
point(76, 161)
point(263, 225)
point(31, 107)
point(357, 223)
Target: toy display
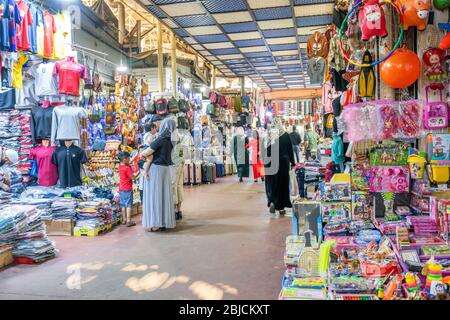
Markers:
point(415, 13)
point(362, 206)
point(439, 147)
point(435, 114)
point(307, 217)
point(389, 179)
point(433, 59)
point(335, 192)
point(389, 155)
point(360, 176)
point(336, 211)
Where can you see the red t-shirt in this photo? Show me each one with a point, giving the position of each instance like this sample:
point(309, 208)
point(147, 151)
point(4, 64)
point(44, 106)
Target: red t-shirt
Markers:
point(126, 177)
point(70, 74)
point(49, 31)
point(23, 42)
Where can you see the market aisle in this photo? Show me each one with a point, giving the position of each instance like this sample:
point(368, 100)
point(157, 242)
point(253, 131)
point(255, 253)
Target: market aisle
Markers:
point(227, 247)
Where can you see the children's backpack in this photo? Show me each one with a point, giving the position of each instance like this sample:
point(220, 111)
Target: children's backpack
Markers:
point(173, 106)
point(182, 105)
point(222, 101)
point(161, 107)
point(210, 109)
point(214, 97)
point(238, 104)
point(183, 123)
point(435, 114)
point(150, 107)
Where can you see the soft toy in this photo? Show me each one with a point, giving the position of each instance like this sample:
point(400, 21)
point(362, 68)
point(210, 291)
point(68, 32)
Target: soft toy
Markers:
point(415, 13)
point(372, 20)
point(433, 59)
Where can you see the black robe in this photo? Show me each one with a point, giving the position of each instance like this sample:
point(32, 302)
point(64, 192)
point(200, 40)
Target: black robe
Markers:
point(241, 156)
point(277, 185)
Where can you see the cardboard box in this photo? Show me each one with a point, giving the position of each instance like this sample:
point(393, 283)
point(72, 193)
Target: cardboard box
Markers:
point(6, 258)
point(59, 227)
point(136, 209)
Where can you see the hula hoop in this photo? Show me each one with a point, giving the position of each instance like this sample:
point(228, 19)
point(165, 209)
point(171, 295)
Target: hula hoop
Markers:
point(373, 64)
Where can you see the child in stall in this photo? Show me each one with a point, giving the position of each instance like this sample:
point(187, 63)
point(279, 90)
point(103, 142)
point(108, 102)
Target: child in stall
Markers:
point(126, 188)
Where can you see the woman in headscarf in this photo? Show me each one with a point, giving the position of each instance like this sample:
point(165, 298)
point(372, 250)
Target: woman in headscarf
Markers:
point(277, 177)
point(241, 155)
point(158, 205)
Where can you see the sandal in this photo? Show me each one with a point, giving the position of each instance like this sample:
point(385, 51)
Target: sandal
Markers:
point(131, 224)
point(154, 229)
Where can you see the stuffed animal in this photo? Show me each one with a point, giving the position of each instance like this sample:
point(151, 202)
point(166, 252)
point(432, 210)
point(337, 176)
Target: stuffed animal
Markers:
point(415, 13)
point(433, 59)
point(372, 20)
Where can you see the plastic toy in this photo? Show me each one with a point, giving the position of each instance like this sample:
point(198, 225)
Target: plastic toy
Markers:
point(389, 119)
point(433, 59)
point(415, 13)
point(445, 42)
point(389, 179)
point(435, 115)
point(372, 20)
point(409, 121)
point(401, 70)
point(417, 166)
point(411, 282)
point(441, 4)
point(433, 272)
point(392, 287)
point(366, 82)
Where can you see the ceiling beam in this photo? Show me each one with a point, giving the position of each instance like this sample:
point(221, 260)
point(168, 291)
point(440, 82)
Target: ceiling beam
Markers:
point(293, 94)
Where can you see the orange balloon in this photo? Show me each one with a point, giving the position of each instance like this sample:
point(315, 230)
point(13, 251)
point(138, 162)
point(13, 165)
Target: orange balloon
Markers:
point(401, 70)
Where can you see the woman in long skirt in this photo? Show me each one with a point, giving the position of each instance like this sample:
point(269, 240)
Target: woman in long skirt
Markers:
point(241, 154)
point(277, 182)
point(158, 206)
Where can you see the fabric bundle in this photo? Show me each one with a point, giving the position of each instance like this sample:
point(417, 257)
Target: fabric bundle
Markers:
point(94, 213)
point(63, 208)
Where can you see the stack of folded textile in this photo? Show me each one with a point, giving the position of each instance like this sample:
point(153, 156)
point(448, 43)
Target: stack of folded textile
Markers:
point(63, 208)
point(21, 120)
point(94, 214)
point(37, 250)
point(13, 221)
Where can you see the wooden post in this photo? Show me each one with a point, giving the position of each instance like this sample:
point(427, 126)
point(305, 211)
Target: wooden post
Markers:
point(173, 58)
point(160, 59)
point(139, 35)
point(242, 86)
point(213, 81)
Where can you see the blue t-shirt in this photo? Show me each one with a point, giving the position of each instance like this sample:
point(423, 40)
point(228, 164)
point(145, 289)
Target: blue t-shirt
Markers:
point(33, 29)
point(14, 20)
point(4, 43)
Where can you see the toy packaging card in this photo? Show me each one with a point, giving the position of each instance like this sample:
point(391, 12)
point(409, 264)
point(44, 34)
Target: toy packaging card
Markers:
point(360, 175)
point(439, 148)
point(389, 179)
point(336, 211)
point(335, 192)
point(309, 221)
point(362, 206)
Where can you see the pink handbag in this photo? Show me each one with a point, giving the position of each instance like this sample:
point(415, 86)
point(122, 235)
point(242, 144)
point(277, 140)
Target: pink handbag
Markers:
point(435, 114)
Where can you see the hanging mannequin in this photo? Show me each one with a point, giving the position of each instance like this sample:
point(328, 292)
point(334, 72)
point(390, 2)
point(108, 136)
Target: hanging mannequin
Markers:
point(47, 171)
point(69, 158)
point(66, 122)
point(69, 73)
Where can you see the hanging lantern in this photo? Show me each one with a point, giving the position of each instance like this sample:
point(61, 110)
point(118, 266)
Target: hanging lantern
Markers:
point(401, 70)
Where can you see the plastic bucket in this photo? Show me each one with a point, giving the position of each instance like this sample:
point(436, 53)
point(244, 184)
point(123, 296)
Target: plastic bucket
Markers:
point(440, 174)
point(416, 166)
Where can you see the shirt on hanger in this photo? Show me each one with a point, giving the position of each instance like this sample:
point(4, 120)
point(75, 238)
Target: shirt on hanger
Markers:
point(316, 70)
point(70, 73)
point(60, 36)
point(17, 77)
point(38, 18)
point(47, 171)
point(14, 20)
point(26, 96)
point(49, 31)
point(66, 123)
point(23, 42)
point(32, 32)
point(69, 161)
point(41, 122)
point(46, 83)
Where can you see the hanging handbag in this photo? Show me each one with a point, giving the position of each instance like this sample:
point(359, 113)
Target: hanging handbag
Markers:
point(161, 107)
point(150, 107)
point(214, 97)
point(88, 84)
point(182, 105)
point(144, 88)
point(210, 109)
point(96, 80)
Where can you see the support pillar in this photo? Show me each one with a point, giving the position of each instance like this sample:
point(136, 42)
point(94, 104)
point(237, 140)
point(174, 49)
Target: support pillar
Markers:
point(242, 80)
point(161, 84)
point(213, 81)
point(173, 58)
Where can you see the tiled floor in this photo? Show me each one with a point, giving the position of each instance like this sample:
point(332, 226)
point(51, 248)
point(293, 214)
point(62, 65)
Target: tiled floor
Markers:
point(227, 247)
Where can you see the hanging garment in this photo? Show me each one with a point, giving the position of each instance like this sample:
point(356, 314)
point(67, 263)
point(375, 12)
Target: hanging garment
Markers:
point(317, 46)
point(26, 97)
point(23, 38)
point(41, 123)
point(45, 81)
point(59, 36)
point(69, 161)
point(17, 76)
point(366, 81)
point(10, 20)
point(339, 83)
point(66, 123)
point(49, 32)
point(47, 171)
point(337, 150)
point(316, 70)
point(69, 75)
point(40, 31)
point(32, 29)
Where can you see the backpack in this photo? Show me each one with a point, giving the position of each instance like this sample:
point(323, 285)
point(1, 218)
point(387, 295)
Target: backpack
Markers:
point(173, 106)
point(214, 97)
point(182, 105)
point(150, 107)
point(183, 123)
point(211, 109)
point(238, 104)
point(222, 101)
point(161, 107)
point(435, 114)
